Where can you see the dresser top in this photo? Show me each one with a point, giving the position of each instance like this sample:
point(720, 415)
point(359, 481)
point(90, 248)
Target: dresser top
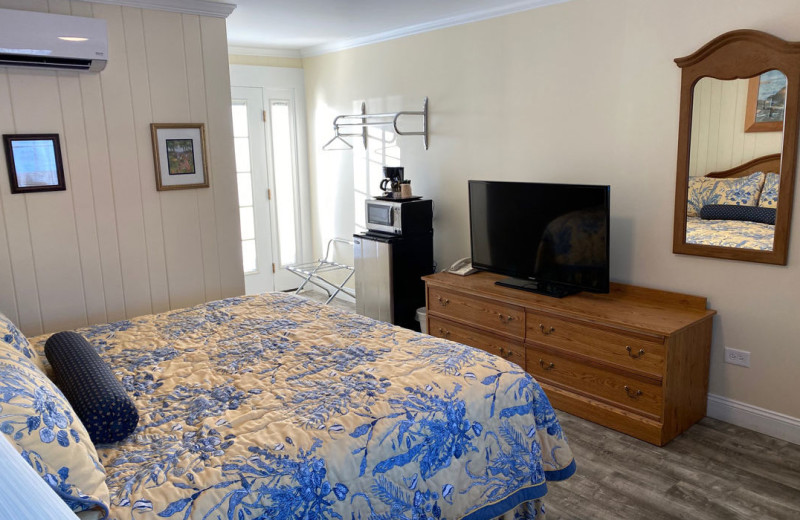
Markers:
point(629, 306)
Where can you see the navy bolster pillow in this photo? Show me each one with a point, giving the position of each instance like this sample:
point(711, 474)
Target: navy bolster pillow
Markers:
point(99, 399)
point(731, 212)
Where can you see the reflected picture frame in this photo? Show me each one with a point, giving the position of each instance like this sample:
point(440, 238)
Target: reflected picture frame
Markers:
point(34, 162)
point(766, 102)
point(179, 156)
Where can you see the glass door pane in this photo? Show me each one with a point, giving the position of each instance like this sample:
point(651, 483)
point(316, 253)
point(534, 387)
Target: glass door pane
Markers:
point(241, 140)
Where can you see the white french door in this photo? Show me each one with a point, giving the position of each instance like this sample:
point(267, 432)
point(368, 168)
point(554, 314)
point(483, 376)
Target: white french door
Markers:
point(251, 174)
point(279, 113)
point(268, 173)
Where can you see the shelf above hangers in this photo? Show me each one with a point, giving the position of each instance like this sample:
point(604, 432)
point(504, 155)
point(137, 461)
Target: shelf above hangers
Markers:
point(365, 120)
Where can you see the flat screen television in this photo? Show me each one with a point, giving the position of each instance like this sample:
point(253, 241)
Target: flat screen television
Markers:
point(548, 238)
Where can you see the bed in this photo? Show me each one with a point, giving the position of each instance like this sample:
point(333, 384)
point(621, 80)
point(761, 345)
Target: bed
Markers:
point(730, 233)
point(274, 406)
point(754, 184)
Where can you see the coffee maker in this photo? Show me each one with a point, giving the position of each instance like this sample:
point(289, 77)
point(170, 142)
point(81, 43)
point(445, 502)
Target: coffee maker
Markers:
point(393, 177)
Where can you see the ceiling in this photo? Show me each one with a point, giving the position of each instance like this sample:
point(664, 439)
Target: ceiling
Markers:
point(310, 27)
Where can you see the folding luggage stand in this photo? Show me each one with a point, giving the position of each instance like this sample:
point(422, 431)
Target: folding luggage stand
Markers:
point(312, 272)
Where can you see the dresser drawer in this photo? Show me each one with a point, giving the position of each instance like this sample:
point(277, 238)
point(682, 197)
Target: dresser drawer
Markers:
point(626, 350)
point(507, 349)
point(495, 316)
point(593, 381)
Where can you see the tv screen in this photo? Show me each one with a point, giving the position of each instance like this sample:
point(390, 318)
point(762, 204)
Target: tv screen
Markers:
point(551, 237)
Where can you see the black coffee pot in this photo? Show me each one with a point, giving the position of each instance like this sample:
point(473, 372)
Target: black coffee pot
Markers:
point(393, 176)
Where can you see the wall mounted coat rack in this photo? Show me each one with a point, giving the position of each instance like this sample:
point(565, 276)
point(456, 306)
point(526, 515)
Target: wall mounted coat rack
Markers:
point(365, 120)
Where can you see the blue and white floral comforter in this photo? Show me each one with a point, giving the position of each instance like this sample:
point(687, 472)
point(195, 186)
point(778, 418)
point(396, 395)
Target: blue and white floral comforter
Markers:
point(742, 234)
point(272, 406)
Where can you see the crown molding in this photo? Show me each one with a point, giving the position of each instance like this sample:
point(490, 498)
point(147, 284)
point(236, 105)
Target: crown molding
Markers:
point(475, 16)
point(239, 50)
point(198, 7)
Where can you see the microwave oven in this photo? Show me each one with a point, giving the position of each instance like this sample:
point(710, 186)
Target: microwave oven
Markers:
point(400, 218)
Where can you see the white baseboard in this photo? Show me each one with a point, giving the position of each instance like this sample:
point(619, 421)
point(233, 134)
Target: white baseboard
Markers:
point(764, 421)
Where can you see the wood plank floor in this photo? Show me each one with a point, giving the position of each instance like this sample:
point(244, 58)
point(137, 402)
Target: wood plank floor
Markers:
point(715, 470)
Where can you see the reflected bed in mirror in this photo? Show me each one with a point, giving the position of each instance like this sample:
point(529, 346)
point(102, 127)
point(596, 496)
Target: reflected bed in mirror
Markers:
point(737, 148)
point(735, 207)
point(737, 137)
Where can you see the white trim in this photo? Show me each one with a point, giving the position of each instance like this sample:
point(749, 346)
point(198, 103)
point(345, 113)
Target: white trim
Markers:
point(475, 16)
point(199, 7)
point(764, 421)
point(262, 51)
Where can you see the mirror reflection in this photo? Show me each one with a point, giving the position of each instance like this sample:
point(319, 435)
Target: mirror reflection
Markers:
point(734, 161)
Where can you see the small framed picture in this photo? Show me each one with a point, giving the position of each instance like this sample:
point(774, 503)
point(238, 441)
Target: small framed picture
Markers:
point(34, 162)
point(766, 102)
point(179, 152)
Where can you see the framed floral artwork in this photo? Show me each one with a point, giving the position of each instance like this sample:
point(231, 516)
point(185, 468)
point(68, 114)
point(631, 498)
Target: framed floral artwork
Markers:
point(179, 153)
point(34, 162)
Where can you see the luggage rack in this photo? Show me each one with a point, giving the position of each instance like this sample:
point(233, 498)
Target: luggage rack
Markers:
point(312, 272)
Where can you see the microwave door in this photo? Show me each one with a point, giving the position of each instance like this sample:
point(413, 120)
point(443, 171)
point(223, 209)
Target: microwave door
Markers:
point(379, 214)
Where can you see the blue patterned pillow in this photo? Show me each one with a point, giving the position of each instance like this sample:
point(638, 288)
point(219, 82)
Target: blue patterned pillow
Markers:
point(10, 335)
point(730, 212)
point(96, 395)
point(39, 422)
point(740, 191)
point(769, 194)
point(695, 198)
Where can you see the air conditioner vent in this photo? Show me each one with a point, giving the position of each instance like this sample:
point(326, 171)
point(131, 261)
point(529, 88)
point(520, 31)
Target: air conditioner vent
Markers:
point(44, 62)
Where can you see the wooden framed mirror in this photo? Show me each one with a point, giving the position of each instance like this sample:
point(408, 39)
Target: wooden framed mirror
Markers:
point(737, 148)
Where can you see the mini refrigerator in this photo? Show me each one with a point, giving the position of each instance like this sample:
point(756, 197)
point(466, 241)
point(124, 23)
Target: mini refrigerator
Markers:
point(389, 269)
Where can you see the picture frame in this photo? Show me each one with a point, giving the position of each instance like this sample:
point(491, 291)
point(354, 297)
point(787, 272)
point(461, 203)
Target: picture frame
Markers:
point(179, 155)
point(34, 162)
point(766, 102)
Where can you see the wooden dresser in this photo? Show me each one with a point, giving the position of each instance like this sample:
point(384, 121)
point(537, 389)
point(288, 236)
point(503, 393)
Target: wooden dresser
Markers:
point(635, 360)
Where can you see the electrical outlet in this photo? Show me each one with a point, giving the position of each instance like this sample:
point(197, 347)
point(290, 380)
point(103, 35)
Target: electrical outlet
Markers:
point(737, 357)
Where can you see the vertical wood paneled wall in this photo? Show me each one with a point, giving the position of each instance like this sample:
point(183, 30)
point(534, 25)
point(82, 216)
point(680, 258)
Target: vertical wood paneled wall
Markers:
point(719, 141)
point(111, 246)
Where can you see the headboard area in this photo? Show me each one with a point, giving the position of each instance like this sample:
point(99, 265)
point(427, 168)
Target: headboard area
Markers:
point(766, 163)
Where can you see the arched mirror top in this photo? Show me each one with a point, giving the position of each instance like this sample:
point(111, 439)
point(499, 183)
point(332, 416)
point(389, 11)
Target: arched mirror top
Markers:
point(752, 53)
point(737, 147)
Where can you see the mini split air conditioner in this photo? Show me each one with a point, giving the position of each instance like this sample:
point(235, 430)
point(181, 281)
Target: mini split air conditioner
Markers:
point(53, 41)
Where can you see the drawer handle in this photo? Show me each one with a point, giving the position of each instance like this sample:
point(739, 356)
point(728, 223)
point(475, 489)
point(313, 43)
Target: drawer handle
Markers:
point(631, 393)
point(505, 319)
point(631, 354)
point(444, 333)
point(443, 301)
point(545, 331)
point(506, 353)
point(551, 366)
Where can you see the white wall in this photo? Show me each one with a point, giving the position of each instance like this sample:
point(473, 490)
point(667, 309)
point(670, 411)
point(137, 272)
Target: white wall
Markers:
point(581, 92)
point(111, 246)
